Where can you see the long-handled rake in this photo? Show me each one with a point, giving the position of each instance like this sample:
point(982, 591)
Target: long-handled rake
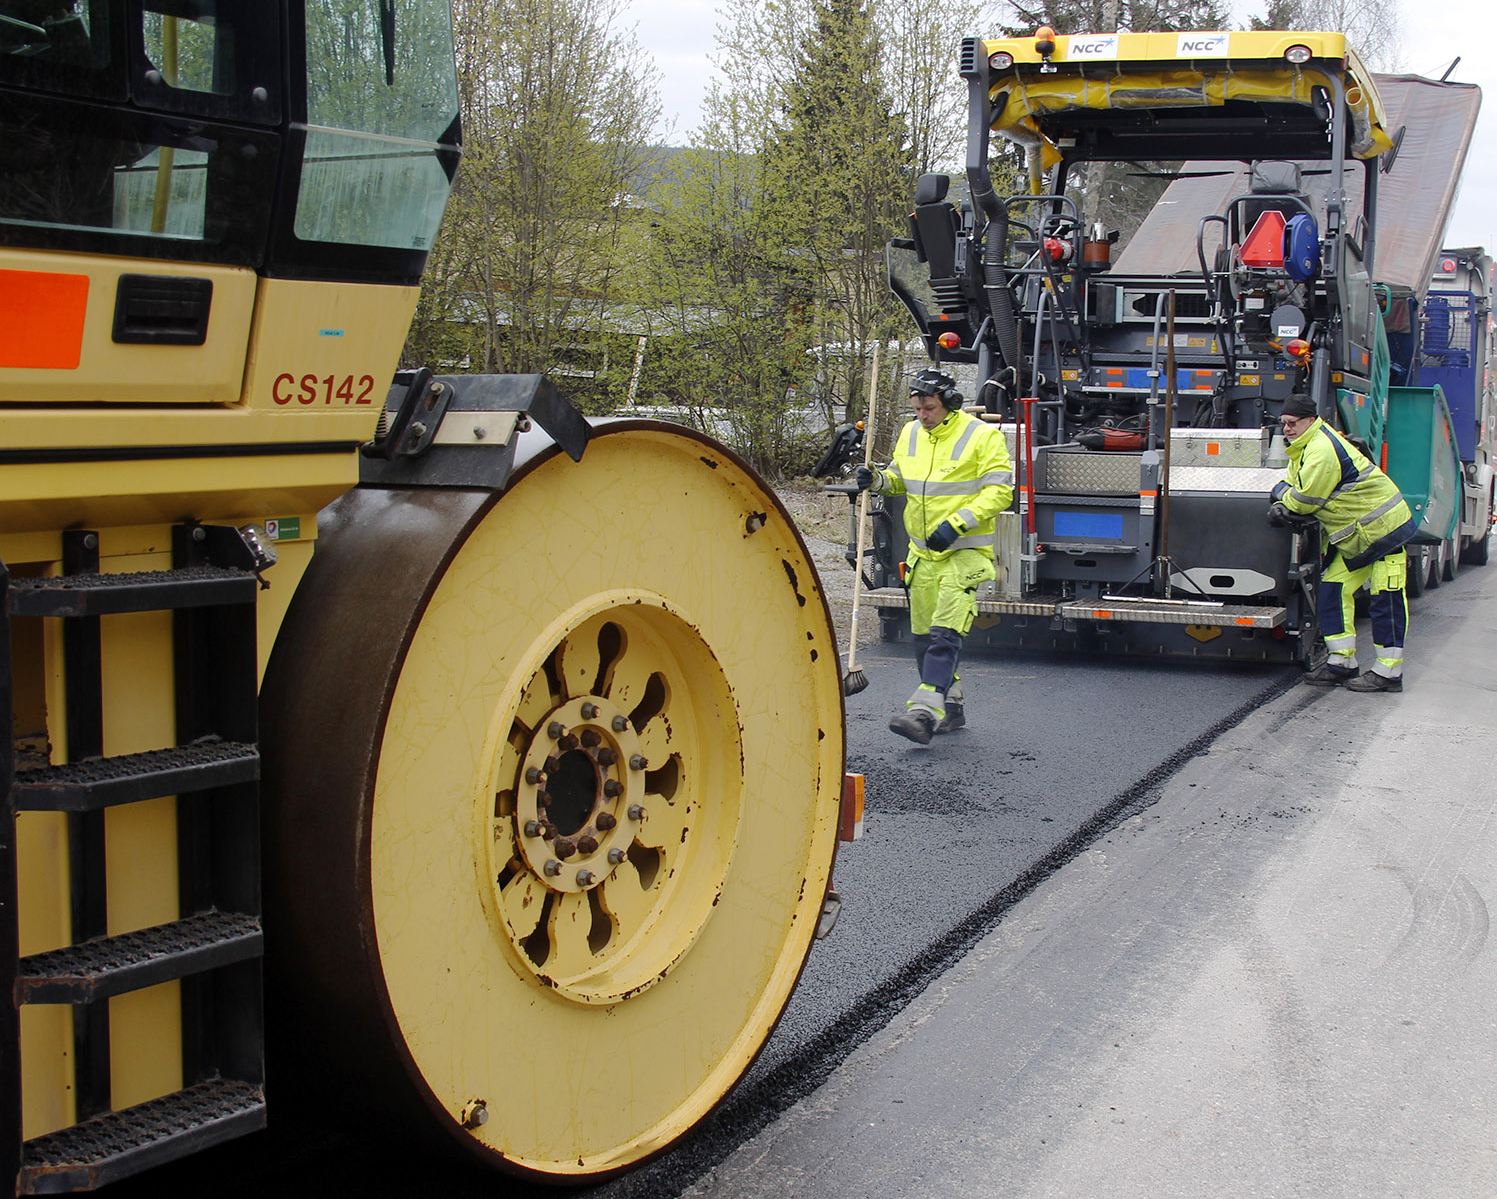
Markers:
point(855, 680)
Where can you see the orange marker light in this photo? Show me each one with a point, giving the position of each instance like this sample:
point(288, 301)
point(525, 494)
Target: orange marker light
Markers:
point(1044, 41)
point(948, 340)
point(1298, 348)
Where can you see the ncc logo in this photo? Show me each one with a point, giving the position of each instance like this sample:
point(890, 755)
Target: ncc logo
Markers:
point(1092, 46)
point(1203, 45)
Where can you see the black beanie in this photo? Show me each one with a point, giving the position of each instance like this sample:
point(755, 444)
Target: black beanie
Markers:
point(1299, 405)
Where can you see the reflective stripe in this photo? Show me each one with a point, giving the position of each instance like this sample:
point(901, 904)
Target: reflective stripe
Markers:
point(929, 487)
point(961, 442)
point(1313, 501)
point(983, 541)
point(914, 439)
point(1382, 509)
point(969, 521)
point(930, 699)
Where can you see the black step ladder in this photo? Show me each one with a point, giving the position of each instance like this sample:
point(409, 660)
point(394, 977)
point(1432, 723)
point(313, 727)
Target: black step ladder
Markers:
point(214, 948)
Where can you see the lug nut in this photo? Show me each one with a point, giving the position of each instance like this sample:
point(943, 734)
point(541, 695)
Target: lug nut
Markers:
point(552, 867)
point(620, 723)
point(638, 761)
point(591, 738)
point(587, 843)
point(534, 776)
point(589, 711)
point(542, 799)
point(475, 1114)
point(553, 764)
point(615, 856)
point(606, 756)
point(569, 741)
point(534, 828)
point(555, 729)
point(585, 878)
point(565, 847)
point(611, 788)
point(636, 811)
point(606, 821)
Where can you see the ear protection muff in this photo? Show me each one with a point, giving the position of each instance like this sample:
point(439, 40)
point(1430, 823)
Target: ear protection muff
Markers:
point(942, 386)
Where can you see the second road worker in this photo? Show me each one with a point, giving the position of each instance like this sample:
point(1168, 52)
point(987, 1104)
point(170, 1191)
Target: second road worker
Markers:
point(956, 473)
point(1365, 522)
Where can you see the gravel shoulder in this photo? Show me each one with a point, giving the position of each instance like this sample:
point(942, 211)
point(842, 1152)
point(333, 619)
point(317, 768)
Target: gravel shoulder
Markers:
point(823, 520)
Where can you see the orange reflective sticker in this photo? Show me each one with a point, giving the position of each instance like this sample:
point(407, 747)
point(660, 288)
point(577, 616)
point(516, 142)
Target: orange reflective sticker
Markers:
point(41, 319)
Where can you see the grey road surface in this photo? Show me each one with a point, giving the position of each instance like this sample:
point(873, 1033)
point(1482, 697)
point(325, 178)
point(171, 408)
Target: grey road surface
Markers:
point(1274, 981)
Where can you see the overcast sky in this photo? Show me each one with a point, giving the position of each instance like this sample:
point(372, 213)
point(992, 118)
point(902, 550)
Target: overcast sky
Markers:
point(679, 35)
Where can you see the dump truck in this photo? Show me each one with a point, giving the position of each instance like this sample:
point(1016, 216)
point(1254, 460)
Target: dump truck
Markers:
point(1139, 379)
point(474, 766)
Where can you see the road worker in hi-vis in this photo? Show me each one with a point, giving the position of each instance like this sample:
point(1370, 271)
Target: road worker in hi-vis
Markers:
point(955, 471)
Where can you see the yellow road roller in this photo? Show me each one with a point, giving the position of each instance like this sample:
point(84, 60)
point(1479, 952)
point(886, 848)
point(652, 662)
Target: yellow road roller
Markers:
point(403, 729)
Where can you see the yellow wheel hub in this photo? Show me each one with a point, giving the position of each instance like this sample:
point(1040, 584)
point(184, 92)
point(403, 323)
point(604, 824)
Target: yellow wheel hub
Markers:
point(599, 803)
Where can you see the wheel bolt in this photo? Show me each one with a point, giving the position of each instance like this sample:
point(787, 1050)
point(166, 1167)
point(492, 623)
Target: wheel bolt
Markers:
point(638, 761)
point(585, 878)
point(606, 756)
point(591, 738)
point(553, 764)
point(569, 741)
point(636, 811)
point(620, 723)
point(534, 828)
point(606, 821)
point(555, 729)
point(533, 775)
point(589, 711)
point(611, 788)
point(587, 843)
point(542, 799)
point(475, 1114)
point(615, 856)
point(564, 847)
point(552, 867)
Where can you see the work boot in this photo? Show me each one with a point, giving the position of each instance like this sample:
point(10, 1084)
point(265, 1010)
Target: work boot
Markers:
point(954, 718)
point(1372, 681)
point(918, 724)
point(1330, 674)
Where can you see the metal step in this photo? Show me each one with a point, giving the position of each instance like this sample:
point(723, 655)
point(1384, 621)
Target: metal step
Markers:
point(105, 966)
point(141, 591)
point(1163, 611)
point(997, 605)
point(116, 1145)
point(96, 783)
point(1142, 611)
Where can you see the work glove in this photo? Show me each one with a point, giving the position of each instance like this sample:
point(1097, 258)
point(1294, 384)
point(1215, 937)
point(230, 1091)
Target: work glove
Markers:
point(1281, 517)
point(942, 536)
point(869, 479)
point(1278, 491)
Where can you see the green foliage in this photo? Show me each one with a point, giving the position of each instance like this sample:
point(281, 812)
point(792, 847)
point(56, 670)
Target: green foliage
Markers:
point(541, 232)
point(1103, 16)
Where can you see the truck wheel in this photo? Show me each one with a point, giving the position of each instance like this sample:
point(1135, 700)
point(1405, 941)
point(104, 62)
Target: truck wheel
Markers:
point(552, 783)
point(1450, 558)
point(1475, 553)
point(1417, 572)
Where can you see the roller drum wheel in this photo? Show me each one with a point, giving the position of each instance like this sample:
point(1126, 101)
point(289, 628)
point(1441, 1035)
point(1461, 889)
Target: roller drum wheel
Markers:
point(552, 781)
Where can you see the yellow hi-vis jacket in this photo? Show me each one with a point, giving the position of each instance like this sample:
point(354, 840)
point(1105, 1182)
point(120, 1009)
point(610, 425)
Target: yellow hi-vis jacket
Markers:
point(960, 471)
point(1361, 511)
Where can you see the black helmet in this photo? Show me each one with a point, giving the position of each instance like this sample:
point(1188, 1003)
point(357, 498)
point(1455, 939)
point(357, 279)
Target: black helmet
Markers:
point(930, 382)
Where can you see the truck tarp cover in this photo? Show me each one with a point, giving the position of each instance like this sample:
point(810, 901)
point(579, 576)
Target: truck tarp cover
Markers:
point(1415, 196)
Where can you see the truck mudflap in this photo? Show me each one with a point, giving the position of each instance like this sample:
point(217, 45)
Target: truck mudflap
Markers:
point(1421, 456)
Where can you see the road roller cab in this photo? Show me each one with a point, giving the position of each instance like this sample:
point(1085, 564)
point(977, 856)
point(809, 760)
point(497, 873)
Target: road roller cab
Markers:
point(302, 668)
